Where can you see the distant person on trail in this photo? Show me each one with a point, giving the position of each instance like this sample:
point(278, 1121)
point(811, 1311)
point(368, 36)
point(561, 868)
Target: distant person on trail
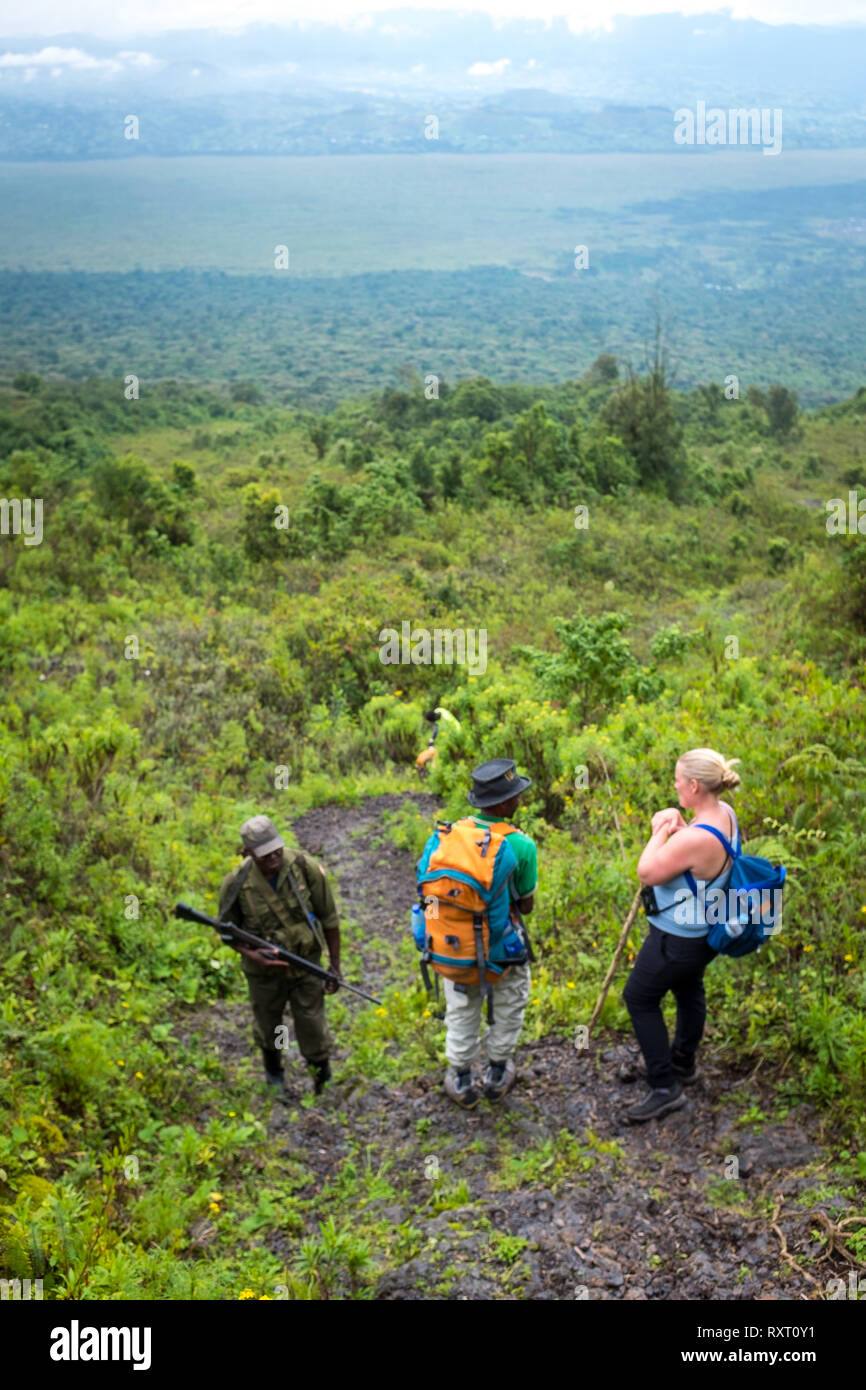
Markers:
point(260, 895)
point(675, 954)
point(487, 850)
point(426, 759)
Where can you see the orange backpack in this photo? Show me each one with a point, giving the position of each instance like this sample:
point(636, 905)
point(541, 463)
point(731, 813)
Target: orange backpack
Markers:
point(463, 880)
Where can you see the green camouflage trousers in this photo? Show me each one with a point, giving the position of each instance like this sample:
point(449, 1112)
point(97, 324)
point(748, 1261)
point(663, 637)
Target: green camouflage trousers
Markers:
point(463, 1015)
point(270, 991)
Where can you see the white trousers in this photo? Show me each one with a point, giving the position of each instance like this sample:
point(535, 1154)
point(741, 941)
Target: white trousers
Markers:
point(463, 1017)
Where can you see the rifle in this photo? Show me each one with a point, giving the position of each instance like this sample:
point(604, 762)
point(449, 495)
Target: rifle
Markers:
point(232, 934)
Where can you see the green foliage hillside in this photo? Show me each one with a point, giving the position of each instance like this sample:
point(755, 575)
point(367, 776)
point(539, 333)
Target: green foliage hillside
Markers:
point(652, 571)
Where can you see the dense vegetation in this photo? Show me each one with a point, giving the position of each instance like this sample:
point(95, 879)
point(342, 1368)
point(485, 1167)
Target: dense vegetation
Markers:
point(438, 265)
point(653, 572)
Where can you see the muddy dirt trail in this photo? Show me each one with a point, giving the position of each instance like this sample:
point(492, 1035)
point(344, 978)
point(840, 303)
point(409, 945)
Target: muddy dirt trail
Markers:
point(562, 1198)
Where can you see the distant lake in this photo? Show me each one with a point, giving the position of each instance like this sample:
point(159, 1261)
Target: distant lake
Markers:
point(342, 215)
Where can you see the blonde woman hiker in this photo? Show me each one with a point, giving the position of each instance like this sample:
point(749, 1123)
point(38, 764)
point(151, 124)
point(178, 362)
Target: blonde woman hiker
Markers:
point(675, 953)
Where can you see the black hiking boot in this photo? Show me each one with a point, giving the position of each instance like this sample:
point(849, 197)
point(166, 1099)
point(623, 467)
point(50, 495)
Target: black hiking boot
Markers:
point(458, 1086)
point(656, 1104)
point(321, 1076)
point(273, 1067)
point(684, 1070)
point(633, 1071)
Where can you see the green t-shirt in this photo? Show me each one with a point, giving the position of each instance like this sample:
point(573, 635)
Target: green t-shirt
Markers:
point(525, 878)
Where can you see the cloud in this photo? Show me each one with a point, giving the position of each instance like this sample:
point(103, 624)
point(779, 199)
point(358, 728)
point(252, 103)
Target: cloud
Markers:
point(489, 69)
point(73, 60)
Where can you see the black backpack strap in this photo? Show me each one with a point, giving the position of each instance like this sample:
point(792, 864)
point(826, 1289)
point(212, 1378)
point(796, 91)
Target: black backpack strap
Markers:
point(484, 984)
point(235, 890)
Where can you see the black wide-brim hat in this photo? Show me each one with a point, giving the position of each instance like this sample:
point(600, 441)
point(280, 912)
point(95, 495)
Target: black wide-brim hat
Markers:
point(496, 781)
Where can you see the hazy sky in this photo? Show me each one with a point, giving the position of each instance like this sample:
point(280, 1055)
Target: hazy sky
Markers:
point(107, 17)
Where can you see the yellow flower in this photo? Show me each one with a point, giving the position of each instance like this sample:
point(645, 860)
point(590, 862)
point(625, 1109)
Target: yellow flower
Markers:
point(120, 1062)
point(246, 1293)
point(398, 692)
point(426, 1013)
point(214, 1207)
point(807, 948)
point(124, 1005)
point(215, 1197)
point(140, 1075)
point(849, 958)
point(265, 1298)
point(569, 984)
point(383, 1013)
point(232, 1114)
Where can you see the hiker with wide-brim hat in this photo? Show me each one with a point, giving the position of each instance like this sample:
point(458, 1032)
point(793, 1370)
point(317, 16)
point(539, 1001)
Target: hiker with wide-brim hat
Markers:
point(493, 865)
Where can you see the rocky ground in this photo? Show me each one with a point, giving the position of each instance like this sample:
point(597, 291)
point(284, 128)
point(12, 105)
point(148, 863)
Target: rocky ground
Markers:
point(551, 1194)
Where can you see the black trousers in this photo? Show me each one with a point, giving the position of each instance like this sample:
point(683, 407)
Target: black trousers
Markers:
point(667, 962)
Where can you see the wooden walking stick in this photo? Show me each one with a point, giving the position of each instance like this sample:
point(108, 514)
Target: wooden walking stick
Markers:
point(626, 928)
point(627, 924)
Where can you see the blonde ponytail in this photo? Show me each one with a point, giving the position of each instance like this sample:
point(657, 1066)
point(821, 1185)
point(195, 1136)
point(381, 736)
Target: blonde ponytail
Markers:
point(715, 773)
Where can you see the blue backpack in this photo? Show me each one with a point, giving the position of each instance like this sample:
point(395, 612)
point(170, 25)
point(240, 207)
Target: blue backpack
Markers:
point(742, 916)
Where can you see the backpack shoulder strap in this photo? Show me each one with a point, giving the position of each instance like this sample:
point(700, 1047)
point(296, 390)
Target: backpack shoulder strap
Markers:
point(723, 840)
point(234, 891)
point(299, 862)
point(729, 848)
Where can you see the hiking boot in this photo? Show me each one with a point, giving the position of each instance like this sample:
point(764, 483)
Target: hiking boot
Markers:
point(630, 1071)
point(656, 1104)
point(321, 1076)
point(273, 1067)
point(458, 1085)
point(499, 1079)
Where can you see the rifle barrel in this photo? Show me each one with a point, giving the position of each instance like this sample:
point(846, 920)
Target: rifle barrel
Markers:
point(192, 914)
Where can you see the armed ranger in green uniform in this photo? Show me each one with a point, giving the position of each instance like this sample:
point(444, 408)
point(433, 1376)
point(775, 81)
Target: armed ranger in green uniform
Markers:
point(261, 896)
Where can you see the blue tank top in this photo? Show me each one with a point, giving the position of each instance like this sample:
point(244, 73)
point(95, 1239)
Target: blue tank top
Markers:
point(680, 912)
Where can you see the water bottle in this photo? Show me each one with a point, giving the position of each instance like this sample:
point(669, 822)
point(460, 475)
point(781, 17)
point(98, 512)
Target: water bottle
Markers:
point(418, 924)
point(513, 943)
